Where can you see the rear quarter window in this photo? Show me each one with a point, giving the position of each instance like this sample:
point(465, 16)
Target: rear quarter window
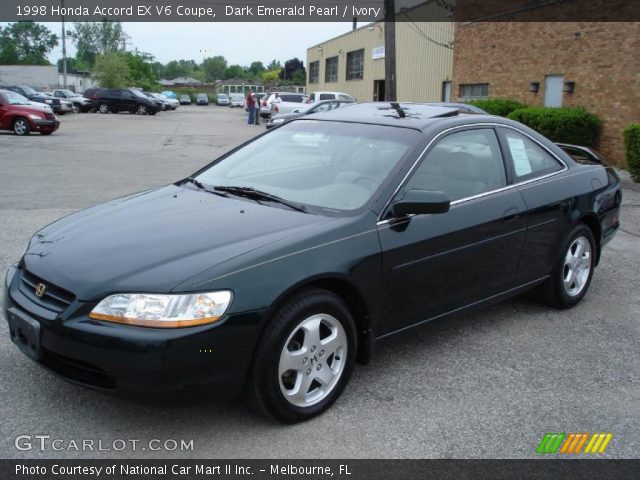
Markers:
point(528, 159)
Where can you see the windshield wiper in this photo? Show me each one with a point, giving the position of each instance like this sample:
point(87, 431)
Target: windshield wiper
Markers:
point(254, 194)
point(202, 186)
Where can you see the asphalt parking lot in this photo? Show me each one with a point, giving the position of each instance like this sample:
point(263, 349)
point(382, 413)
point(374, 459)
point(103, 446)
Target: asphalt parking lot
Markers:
point(486, 385)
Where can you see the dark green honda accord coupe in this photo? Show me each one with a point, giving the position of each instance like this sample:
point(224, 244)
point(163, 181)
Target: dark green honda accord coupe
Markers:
point(275, 268)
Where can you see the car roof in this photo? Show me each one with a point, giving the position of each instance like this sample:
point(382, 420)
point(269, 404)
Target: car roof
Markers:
point(397, 114)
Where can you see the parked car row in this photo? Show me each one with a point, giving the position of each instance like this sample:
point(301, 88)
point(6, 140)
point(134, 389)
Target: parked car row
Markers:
point(31, 95)
point(114, 100)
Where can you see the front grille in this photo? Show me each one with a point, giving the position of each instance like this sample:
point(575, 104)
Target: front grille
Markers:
point(77, 370)
point(50, 116)
point(54, 299)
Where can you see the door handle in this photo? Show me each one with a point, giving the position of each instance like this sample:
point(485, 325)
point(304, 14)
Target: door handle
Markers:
point(510, 214)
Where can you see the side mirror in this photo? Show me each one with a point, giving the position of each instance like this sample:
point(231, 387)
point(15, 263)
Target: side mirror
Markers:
point(421, 202)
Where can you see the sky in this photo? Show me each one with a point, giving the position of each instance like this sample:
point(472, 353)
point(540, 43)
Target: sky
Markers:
point(239, 43)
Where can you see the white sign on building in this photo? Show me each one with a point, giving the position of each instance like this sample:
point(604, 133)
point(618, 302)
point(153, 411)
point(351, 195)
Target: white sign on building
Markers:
point(377, 52)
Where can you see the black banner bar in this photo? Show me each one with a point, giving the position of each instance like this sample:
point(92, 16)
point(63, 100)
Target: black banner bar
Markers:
point(320, 10)
point(548, 469)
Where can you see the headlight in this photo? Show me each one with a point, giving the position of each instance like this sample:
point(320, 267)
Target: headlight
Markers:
point(163, 311)
point(34, 117)
point(48, 101)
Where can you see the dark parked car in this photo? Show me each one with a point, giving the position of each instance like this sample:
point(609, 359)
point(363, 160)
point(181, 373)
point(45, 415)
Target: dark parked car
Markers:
point(116, 100)
point(202, 99)
point(288, 258)
point(18, 114)
point(306, 109)
point(34, 96)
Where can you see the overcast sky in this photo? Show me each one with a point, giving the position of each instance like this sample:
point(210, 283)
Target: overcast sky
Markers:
point(239, 43)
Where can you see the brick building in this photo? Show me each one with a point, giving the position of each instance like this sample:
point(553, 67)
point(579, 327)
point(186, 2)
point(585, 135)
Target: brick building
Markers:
point(593, 65)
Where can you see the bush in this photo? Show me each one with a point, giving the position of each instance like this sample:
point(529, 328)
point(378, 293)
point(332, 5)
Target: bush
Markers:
point(632, 149)
point(568, 125)
point(498, 106)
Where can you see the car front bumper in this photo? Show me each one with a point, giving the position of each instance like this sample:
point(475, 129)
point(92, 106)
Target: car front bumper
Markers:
point(45, 125)
point(131, 359)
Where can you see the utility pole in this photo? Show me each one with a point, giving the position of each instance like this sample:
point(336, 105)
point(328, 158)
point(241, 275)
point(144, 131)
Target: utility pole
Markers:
point(390, 50)
point(64, 51)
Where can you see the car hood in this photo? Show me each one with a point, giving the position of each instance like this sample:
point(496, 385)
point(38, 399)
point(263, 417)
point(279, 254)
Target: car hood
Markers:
point(32, 108)
point(156, 240)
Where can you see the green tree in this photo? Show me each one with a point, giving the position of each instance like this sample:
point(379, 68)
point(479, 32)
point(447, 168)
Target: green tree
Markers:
point(214, 68)
point(97, 38)
point(269, 76)
point(256, 69)
point(180, 68)
point(111, 70)
point(140, 70)
point(294, 71)
point(235, 71)
point(274, 65)
point(26, 43)
point(159, 70)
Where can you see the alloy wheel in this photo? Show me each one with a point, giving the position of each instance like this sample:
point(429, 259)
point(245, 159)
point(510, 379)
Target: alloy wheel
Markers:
point(104, 108)
point(142, 110)
point(577, 266)
point(20, 127)
point(312, 360)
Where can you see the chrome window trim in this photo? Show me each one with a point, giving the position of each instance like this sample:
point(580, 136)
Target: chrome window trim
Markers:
point(483, 194)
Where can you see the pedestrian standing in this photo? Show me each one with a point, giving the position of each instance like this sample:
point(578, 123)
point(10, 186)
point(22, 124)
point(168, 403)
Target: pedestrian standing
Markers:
point(257, 115)
point(251, 104)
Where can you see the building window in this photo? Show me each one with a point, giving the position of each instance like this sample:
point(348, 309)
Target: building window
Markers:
point(474, 90)
point(355, 64)
point(331, 70)
point(314, 72)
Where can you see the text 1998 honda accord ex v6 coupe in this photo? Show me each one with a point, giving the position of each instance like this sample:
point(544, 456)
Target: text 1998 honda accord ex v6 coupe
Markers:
point(287, 258)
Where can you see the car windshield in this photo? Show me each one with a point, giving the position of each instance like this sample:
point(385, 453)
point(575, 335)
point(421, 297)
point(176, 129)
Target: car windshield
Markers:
point(329, 165)
point(137, 93)
point(28, 90)
point(69, 93)
point(222, 95)
point(16, 99)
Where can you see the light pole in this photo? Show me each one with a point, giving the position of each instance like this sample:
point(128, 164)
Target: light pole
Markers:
point(64, 51)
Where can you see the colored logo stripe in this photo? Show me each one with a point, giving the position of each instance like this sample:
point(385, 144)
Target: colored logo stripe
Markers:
point(572, 443)
point(550, 442)
point(598, 443)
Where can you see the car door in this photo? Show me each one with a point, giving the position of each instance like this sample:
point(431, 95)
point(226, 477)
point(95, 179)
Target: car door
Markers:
point(438, 263)
point(534, 169)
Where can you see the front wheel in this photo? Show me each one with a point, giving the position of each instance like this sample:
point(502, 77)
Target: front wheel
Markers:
point(103, 108)
point(572, 274)
point(76, 108)
point(305, 357)
point(142, 110)
point(21, 126)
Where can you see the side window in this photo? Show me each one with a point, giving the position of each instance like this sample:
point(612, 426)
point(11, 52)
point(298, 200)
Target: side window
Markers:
point(345, 97)
point(462, 165)
point(327, 96)
point(527, 158)
point(58, 94)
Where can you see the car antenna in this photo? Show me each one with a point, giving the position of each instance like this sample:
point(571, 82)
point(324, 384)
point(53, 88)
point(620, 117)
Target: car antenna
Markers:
point(397, 108)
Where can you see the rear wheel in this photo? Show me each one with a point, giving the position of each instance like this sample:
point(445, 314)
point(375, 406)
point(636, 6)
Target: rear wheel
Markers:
point(305, 358)
point(21, 126)
point(573, 271)
point(103, 108)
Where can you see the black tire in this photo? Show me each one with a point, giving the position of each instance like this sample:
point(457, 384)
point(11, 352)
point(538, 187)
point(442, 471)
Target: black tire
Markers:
point(151, 112)
point(142, 109)
point(21, 126)
point(553, 290)
point(103, 108)
point(264, 385)
point(76, 108)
